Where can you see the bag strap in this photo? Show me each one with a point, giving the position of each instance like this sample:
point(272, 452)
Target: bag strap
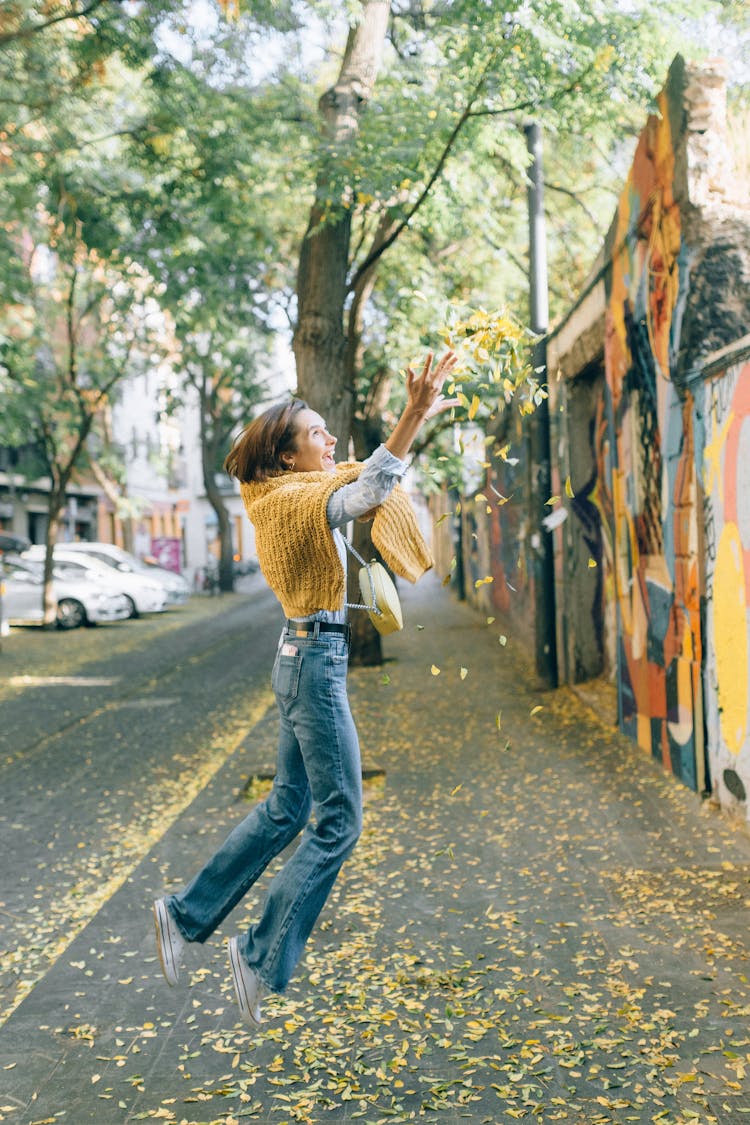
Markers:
point(374, 608)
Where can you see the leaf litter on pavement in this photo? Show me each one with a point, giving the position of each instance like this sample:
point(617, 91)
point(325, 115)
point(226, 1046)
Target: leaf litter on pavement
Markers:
point(548, 932)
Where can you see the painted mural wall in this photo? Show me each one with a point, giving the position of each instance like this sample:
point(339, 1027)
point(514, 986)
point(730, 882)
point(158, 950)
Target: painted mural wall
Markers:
point(648, 489)
point(650, 452)
point(722, 421)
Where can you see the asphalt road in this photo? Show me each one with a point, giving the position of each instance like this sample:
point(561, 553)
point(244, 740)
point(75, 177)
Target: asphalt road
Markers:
point(537, 922)
point(106, 735)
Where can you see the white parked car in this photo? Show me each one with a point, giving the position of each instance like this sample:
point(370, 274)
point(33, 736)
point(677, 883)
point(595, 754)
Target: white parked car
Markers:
point(178, 590)
point(143, 594)
point(81, 600)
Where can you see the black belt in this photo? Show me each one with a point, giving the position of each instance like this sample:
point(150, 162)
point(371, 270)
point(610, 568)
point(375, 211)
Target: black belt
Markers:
point(312, 628)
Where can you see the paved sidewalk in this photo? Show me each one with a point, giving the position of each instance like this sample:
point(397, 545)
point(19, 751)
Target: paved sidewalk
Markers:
point(537, 924)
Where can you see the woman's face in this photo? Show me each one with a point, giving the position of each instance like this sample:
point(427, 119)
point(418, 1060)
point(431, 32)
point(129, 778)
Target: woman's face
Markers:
point(313, 445)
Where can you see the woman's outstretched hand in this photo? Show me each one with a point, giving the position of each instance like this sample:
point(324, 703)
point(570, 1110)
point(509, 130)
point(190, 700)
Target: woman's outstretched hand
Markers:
point(425, 399)
point(425, 391)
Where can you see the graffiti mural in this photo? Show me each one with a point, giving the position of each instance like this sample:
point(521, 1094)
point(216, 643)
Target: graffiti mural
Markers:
point(723, 419)
point(658, 458)
point(648, 492)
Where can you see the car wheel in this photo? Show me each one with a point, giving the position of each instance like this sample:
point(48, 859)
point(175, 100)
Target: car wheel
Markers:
point(131, 606)
point(70, 614)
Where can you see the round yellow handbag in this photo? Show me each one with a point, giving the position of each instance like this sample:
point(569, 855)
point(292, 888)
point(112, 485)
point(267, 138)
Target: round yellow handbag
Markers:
point(379, 596)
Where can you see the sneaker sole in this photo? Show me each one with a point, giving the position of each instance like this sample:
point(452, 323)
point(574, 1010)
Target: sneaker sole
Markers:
point(238, 980)
point(163, 944)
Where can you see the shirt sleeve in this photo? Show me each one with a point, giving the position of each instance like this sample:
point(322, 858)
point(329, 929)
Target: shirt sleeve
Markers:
point(380, 474)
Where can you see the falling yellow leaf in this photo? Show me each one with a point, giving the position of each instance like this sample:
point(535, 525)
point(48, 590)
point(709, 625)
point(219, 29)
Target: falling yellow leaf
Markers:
point(454, 791)
point(592, 563)
point(464, 673)
point(475, 403)
point(503, 640)
point(435, 670)
point(552, 501)
point(490, 620)
point(536, 710)
point(569, 488)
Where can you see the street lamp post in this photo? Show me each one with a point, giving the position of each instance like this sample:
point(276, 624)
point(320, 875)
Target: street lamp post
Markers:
point(539, 423)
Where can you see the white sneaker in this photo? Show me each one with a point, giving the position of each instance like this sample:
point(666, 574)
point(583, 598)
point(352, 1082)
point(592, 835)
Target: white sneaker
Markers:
point(247, 985)
point(170, 944)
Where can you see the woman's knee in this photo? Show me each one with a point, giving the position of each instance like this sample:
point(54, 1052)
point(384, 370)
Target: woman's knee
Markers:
point(289, 807)
point(349, 827)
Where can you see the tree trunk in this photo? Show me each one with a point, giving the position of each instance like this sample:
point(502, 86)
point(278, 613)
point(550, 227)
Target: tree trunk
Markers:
point(226, 554)
point(366, 644)
point(320, 342)
point(54, 508)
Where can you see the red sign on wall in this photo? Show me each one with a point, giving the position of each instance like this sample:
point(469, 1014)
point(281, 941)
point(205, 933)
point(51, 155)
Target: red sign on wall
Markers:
point(167, 552)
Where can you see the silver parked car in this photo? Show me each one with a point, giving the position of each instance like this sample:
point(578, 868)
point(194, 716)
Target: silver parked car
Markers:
point(176, 587)
point(143, 594)
point(80, 600)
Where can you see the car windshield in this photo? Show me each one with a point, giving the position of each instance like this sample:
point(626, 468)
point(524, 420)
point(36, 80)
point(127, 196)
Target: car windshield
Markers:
point(12, 566)
point(72, 571)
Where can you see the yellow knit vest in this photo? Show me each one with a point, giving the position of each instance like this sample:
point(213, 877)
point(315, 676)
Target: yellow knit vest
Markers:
point(295, 545)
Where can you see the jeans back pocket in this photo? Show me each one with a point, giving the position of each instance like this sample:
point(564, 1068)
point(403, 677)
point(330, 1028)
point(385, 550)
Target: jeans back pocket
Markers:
point(285, 678)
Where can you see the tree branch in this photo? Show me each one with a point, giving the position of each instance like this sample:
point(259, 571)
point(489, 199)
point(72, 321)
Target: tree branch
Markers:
point(72, 333)
point(377, 252)
point(29, 29)
point(576, 199)
point(466, 115)
point(445, 423)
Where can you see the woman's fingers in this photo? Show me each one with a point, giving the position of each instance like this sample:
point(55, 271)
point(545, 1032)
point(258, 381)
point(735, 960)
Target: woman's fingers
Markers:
point(440, 405)
point(428, 385)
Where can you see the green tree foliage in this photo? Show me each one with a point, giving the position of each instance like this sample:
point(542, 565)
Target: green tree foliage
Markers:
point(76, 313)
point(349, 171)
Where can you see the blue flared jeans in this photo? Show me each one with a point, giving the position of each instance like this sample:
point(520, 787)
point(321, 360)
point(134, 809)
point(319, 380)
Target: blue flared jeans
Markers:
point(318, 771)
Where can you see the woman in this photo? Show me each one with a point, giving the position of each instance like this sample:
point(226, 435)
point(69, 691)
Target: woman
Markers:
point(297, 499)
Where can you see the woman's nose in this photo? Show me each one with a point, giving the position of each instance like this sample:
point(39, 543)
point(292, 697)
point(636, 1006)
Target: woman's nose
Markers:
point(331, 439)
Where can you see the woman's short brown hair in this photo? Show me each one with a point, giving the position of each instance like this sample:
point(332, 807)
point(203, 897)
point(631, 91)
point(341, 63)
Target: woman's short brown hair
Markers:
point(256, 453)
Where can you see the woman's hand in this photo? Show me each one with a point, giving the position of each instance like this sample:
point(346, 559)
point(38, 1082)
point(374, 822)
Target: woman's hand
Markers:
point(424, 391)
point(424, 400)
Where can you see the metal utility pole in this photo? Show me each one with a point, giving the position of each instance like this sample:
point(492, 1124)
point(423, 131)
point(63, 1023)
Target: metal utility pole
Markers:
point(539, 424)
